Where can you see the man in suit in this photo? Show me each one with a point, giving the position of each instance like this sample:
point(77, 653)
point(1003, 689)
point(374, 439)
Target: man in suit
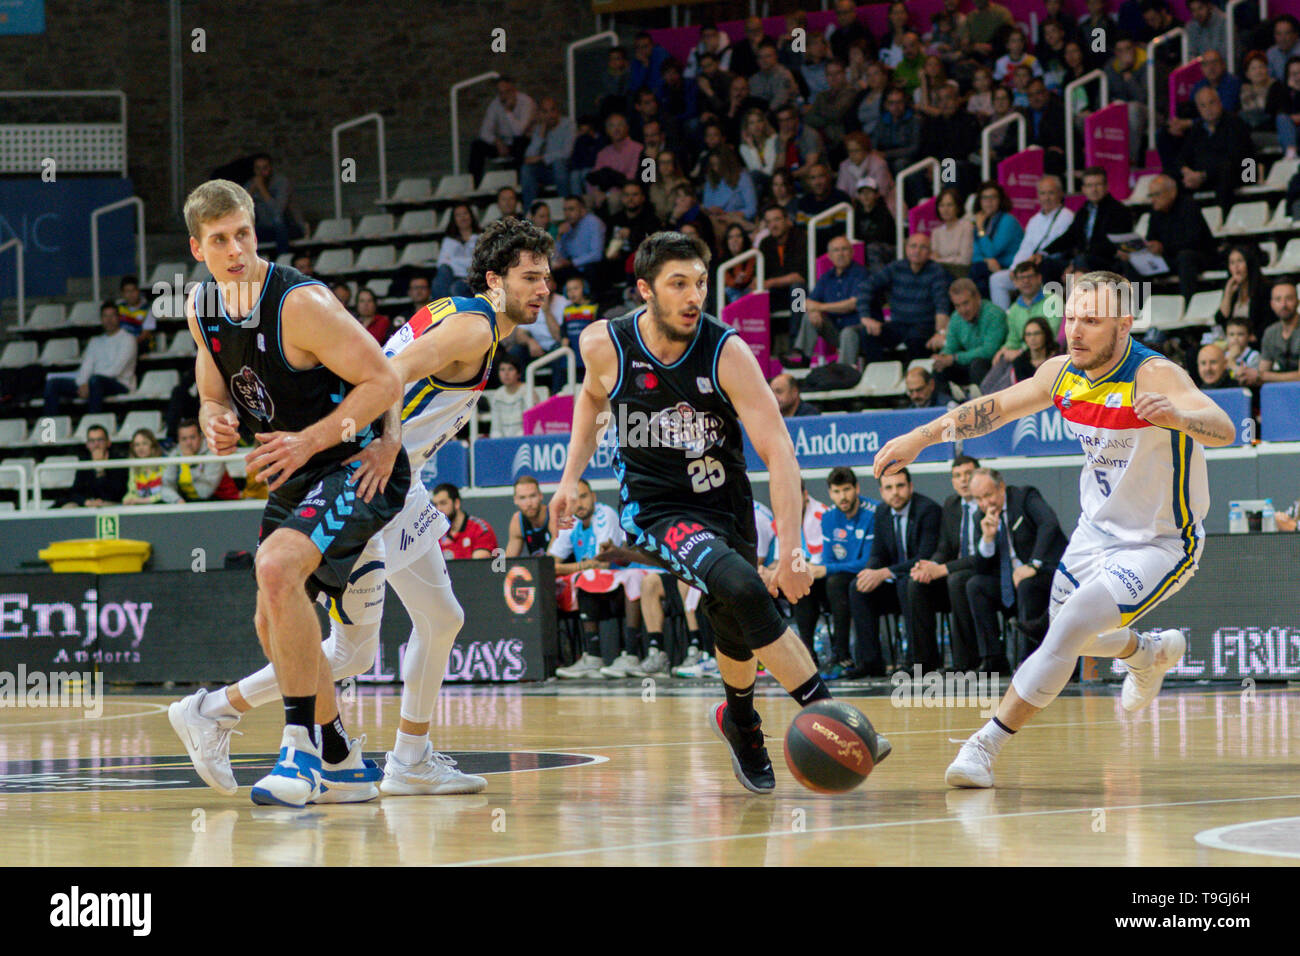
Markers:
point(906, 530)
point(1046, 118)
point(939, 583)
point(1084, 246)
point(1020, 544)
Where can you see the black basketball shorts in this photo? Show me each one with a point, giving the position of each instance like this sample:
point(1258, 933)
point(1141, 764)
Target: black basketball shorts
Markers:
point(689, 544)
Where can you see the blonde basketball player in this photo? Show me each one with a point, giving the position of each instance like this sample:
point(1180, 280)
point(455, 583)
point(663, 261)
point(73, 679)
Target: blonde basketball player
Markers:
point(1143, 491)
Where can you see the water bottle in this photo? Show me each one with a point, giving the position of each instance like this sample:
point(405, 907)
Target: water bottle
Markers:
point(1267, 522)
point(1236, 519)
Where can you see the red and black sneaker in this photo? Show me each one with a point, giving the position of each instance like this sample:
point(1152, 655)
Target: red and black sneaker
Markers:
point(749, 760)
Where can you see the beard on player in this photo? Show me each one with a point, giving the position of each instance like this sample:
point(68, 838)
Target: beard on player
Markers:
point(675, 311)
point(1099, 356)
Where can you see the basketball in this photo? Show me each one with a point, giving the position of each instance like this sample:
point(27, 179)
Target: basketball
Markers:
point(830, 747)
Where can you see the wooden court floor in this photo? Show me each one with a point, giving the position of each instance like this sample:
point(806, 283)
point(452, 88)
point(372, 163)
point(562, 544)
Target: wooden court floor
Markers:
point(645, 782)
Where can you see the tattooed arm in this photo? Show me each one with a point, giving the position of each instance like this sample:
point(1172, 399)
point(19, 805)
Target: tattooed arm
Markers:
point(1165, 396)
point(976, 417)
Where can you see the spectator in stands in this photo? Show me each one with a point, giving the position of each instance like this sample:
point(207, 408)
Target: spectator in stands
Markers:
point(620, 160)
point(343, 292)
point(144, 484)
point(871, 101)
point(933, 79)
point(739, 102)
point(907, 70)
point(773, 83)
point(1126, 76)
point(107, 367)
point(980, 101)
point(712, 137)
point(508, 402)
point(938, 583)
point(1255, 92)
point(1159, 20)
point(303, 263)
point(997, 234)
point(205, 482)
point(1031, 302)
point(1212, 368)
point(1215, 75)
point(917, 291)
point(758, 148)
point(531, 533)
point(686, 211)
point(1020, 545)
point(1286, 44)
point(786, 390)
point(1040, 344)
point(983, 27)
point(714, 43)
point(728, 193)
point(1098, 33)
point(783, 193)
point(898, 23)
point(456, 252)
point(848, 533)
point(1051, 55)
point(711, 87)
point(418, 291)
point(821, 196)
point(922, 389)
point(587, 144)
point(1084, 246)
point(273, 204)
point(953, 134)
point(831, 306)
point(581, 243)
point(539, 214)
point(739, 279)
point(1238, 352)
point(874, 224)
point(1017, 55)
point(1212, 155)
point(134, 313)
point(747, 55)
point(630, 225)
point(848, 31)
point(668, 175)
point(616, 83)
point(578, 314)
point(952, 243)
point(1049, 223)
point(1177, 232)
point(468, 537)
point(943, 40)
point(645, 112)
point(811, 69)
point(1046, 116)
point(509, 204)
point(1206, 30)
point(785, 260)
point(976, 331)
point(1284, 106)
point(646, 63)
point(504, 131)
point(653, 144)
point(95, 487)
point(831, 109)
point(368, 315)
point(1279, 350)
point(863, 161)
point(798, 148)
point(1002, 144)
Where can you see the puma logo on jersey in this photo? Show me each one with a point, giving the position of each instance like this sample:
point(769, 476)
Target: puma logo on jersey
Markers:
point(637, 363)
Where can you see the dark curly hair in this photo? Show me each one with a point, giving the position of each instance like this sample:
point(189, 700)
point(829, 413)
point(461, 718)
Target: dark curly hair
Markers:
point(499, 247)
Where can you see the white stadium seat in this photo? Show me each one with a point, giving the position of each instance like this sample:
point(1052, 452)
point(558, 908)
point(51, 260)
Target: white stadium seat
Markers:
point(1162, 312)
point(18, 354)
point(152, 420)
point(9, 479)
point(1246, 217)
point(84, 315)
point(884, 378)
point(1213, 216)
point(495, 180)
point(46, 317)
point(1141, 190)
point(376, 257)
point(333, 261)
point(88, 421)
point(61, 352)
point(1203, 307)
point(167, 272)
point(1289, 261)
point(417, 222)
point(419, 254)
point(455, 187)
point(412, 190)
point(375, 225)
point(13, 431)
point(157, 383)
point(50, 430)
point(57, 479)
point(332, 230)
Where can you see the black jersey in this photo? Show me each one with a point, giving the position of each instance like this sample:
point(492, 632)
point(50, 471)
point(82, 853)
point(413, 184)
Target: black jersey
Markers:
point(678, 441)
point(268, 393)
point(536, 540)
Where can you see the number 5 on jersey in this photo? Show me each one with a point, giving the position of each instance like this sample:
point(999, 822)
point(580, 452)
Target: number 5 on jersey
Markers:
point(706, 473)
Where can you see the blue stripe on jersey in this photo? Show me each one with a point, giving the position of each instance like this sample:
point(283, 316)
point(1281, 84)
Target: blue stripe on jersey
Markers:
point(279, 325)
point(1060, 566)
point(717, 354)
point(636, 327)
point(614, 338)
point(221, 303)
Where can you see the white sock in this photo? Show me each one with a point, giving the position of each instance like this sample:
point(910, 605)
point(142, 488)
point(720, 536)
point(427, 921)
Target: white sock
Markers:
point(410, 748)
point(1145, 654)
point(992, 737)
point(217, 705)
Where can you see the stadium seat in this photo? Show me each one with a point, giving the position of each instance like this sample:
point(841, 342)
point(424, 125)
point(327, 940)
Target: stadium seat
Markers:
point(491, 214)
point(373, 226)
point(89, 420)
point(284, 259)
point(379, 287)
point(1203, 307)
point(1163, 312)
point(1246, 217)
point(455, 187)
point(1213, 218)
point(444, 221)
point(885, 378)
point(181, 346)
point(333, 261)
point(419, 254)
point(1289, 261)
point(1269, 249)
point(332, 230)
point(46, 317)
point(495, 180)
point(925, 363)
point(84, 315)
point(1141, 191)
point(61, 352)
point(412, 190)
point(417, 222)
point(1277, 180)
point(1281, 218)
point(57, 479)
point(157, 384)
point(9, 479)
point(556, 205)
point(18, 354)
point(167, 272)
point(133, 421)
point(50, 430)
point(373, 258)
point(1143, 222)
point(13, 431)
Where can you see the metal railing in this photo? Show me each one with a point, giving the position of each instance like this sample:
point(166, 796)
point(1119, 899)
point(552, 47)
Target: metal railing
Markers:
point(46, 467)
point(920, 165)
point(1166, 37)
point(455, 114)
point(986, 151)
point(609, 35)
point(22, 483)
point(20, 278)
point(721, 280)
point(1069, 117)
point(383, 159)
point(1230, 11)
point(141, 270)
point(811, 274)
point(78, 94)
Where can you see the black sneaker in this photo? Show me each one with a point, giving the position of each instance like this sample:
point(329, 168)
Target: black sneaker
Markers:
point(749, 760)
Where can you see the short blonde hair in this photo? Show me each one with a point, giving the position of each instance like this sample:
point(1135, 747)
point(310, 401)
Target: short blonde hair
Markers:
point(212, 200)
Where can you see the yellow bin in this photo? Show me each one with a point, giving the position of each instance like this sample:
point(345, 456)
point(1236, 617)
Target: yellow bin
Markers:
point(108, 556)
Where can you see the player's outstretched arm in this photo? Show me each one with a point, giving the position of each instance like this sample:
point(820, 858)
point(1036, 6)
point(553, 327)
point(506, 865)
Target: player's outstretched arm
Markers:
point(315, 328)
point(462, 337)
point(741, 380)
point(1165, 396)
point(976, 417)
point(590, 416)
point(217, 418)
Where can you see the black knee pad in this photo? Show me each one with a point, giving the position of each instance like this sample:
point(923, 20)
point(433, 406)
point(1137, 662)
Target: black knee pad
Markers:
point(737, 590)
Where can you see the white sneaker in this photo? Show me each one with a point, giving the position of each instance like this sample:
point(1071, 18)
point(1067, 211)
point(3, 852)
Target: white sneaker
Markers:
point(435, 773)
point(1141, 684)
point(588, 665)
point(622, 666)
point(973, 766)
point(351, 780)
point(206, 740)
point(295, 781)
point(655, 663)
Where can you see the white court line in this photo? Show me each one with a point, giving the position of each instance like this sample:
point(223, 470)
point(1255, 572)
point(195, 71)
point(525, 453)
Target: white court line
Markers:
point(1214, 838)
point(94, 720)
point(688, 841)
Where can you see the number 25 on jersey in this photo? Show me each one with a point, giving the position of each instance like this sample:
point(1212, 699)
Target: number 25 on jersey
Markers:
point(706, 473)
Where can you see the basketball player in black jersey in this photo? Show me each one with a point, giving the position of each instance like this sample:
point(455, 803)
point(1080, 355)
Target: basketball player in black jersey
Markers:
point(676, 385)
point(280, 362)
point(530, 527)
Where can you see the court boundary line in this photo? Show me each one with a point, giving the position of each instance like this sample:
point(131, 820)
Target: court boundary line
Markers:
point(1214, 839)
point(162, 708)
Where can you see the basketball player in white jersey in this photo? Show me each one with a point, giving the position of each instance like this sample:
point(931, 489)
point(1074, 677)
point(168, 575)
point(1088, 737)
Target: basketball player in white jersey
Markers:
point(443, 355)
point(1143, 491)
